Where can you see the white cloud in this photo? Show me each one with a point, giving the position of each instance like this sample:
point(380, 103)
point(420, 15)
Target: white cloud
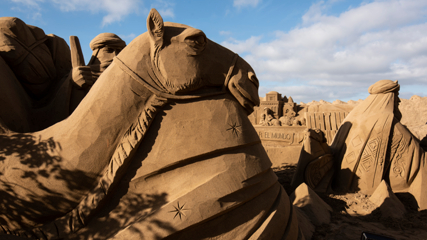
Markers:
point(245, 3)
point(115, 10)
point(164, 7)
point(128, 38)
point(32, 7)
point(118, 9)
point(244, 46)
point(341, 56)
point(168, 12)
point(29, 3)
point(224, 33)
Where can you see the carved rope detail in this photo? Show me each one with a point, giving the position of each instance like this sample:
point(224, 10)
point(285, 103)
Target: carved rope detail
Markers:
point(80, 216)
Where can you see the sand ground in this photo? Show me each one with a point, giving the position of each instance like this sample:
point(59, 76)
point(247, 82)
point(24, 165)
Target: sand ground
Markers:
point(354, 213)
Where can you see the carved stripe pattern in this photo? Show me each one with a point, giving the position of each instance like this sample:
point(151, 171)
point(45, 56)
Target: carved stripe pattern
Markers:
point(80, 216)
point(119, 162)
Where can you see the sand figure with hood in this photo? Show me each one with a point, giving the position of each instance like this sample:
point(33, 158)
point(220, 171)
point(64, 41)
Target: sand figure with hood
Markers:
point(38, 78)
point(135, 161)
point(372, 145)
point(105, 47)
point(32, 66)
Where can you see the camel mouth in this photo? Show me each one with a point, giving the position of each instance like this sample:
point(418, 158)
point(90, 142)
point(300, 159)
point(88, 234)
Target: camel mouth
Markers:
point(244, 85)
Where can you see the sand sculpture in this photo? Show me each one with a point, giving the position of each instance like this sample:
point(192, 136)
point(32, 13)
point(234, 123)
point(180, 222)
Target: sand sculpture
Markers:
point(32, 64)
point(105, 47)
point(280, 111)
point(268, 118)
point(281, 130)
point(138, 159)
point(315, 115)
point(372, 145)
point(38, 78)
point(315, 162)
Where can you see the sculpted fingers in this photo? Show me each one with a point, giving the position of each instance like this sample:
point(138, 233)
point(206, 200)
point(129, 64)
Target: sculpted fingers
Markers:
point(82, 76)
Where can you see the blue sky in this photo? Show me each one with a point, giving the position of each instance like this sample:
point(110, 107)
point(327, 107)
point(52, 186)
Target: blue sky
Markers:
point(310, 50)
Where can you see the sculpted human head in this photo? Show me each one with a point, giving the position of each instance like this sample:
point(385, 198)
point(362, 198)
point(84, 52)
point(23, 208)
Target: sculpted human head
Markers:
point(388, 87)
point(384, 86)
point(105, 47)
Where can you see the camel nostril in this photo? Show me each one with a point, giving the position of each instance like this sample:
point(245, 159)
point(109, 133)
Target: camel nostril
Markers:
point(253, 78)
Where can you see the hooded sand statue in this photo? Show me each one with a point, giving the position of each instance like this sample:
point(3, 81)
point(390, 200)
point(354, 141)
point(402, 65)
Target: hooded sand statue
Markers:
point(32, 66)
point(372, 145)
point(38, 79)
point(136, 161)
point(105, 47)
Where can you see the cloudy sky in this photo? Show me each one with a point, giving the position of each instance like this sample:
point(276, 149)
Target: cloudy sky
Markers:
point(310, 50)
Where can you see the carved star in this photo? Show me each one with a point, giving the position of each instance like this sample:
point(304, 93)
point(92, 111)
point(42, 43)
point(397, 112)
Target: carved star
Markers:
point(179, 210)
point(234, 128)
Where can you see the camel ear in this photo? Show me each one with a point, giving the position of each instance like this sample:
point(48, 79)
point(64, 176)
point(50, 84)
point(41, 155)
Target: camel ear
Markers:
point(155, 27)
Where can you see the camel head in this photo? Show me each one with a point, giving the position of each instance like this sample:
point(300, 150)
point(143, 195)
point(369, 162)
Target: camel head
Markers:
point(184, 61)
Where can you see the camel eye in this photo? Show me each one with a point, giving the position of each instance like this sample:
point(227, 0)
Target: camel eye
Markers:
point(196, 43)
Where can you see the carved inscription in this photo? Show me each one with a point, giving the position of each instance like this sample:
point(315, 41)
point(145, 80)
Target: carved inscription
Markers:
point(284, 135)
point(278, 136)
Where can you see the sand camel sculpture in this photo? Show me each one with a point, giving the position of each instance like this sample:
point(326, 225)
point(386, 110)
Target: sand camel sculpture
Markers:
point(160, 148)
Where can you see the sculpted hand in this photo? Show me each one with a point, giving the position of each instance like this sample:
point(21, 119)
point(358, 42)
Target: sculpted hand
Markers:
point(82, 76)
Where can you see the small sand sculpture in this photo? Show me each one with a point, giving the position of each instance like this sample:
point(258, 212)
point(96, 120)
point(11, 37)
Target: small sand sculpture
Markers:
point(281, 111)
point(268, 119)
point(315, 162)
point(159, 148)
